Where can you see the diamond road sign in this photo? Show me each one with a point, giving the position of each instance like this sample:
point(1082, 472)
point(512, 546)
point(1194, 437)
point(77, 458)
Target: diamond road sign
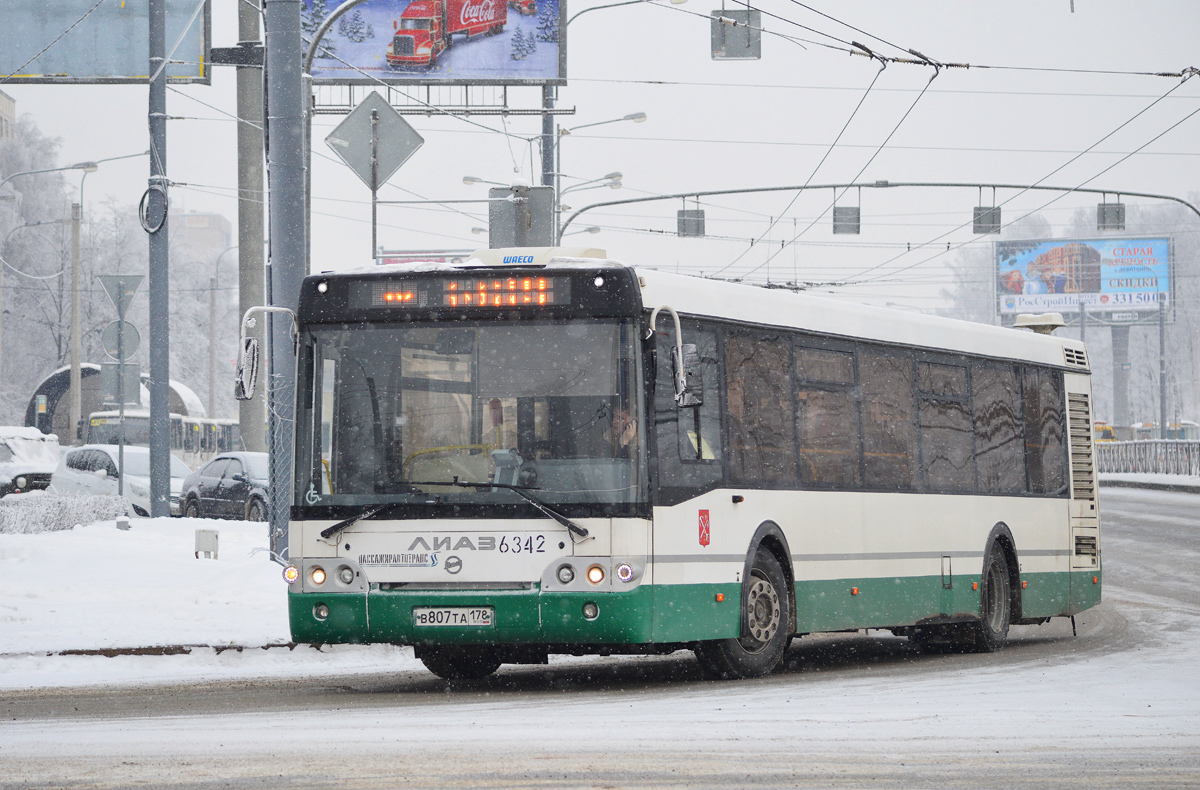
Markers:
point(121, 288)
point(386, 137)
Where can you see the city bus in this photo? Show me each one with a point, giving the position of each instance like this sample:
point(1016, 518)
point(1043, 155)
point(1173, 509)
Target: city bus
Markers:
point(194, 440)
point(544, 451)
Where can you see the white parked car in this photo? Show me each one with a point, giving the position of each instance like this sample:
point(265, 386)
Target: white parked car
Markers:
point(27, 459)
point(92, 469)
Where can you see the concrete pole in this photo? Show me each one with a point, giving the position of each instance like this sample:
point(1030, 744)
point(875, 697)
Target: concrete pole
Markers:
point(159, 324)
point(76, 409)
point(1120, 358)
point(212, 347)
point(548, 97)
point(1162, 366)
point(252, 414)
point(286, 172)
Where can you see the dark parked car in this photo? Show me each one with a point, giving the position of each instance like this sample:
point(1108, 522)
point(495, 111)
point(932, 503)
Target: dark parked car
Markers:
point(232, 485)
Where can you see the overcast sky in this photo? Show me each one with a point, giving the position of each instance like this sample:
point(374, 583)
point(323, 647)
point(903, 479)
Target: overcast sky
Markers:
point(723, 125)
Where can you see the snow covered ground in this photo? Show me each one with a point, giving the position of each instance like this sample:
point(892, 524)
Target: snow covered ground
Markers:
point(96, 587)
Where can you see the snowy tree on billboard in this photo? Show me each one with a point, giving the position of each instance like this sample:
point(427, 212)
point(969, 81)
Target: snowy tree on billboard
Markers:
point(547, 23)
point(312, 14)
point(354, 28)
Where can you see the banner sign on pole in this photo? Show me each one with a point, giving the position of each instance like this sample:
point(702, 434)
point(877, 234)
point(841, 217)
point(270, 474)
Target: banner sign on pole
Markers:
point(1107, 275)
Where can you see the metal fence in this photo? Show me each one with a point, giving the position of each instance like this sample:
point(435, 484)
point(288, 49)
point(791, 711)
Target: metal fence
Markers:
point(1152, 456)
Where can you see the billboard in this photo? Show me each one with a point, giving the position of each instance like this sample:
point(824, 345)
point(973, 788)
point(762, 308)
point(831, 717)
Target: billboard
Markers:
point(1107, 275)
point(105, 43)
point(502, 42)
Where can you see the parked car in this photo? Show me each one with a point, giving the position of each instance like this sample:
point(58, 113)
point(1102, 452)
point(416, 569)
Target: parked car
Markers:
point(92, 469)
point(27, 459)
point(232, 485)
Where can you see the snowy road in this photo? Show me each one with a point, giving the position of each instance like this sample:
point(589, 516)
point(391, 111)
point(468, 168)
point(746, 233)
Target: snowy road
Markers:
point(1117, 706)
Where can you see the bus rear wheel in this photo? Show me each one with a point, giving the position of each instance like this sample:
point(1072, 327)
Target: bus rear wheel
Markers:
point(991, 632)
point(768, 626)
point(460, 663)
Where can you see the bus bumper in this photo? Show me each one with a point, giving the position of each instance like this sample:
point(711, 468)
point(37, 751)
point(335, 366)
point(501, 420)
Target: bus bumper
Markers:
point(521, 617)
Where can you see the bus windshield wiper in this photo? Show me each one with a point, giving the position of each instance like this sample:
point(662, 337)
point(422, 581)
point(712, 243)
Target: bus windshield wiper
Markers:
point(341, 525)
point(521, 491)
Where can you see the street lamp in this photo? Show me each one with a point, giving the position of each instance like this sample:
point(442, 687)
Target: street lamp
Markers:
point(636, 117)
point(592, 229)
point(476, 180)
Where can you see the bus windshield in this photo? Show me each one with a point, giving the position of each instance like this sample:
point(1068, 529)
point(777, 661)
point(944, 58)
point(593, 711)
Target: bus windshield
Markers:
point(388, 411)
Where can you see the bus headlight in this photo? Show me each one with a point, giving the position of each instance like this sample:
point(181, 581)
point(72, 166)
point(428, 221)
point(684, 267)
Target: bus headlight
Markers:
point(625, 572)
point(321, 611)
point(590, 611)
point(566, 574)
point(595, 574)
point(317, 575)
point(290, 574)
point(346, 575)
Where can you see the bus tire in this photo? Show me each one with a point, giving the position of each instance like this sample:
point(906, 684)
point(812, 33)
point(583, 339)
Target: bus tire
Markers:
point(469, 662)
point(255, 510)
point(995, 610)
point(768, 623)
point(191, 508)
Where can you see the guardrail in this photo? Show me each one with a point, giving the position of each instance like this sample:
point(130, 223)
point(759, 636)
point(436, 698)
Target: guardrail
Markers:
point(1151, 456)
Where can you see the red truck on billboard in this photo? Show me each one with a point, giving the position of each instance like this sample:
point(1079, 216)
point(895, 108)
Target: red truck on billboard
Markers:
point(425, 28)
point(526, 7)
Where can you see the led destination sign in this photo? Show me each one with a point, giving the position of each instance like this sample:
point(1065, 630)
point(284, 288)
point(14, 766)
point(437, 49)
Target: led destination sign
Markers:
point(468, 293)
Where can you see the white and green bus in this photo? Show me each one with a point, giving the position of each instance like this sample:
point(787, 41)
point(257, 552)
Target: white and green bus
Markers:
point(544, 451)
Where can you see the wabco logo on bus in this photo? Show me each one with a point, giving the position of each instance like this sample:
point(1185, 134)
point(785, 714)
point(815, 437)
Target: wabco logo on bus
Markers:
point(480, 12)
point(518, 259)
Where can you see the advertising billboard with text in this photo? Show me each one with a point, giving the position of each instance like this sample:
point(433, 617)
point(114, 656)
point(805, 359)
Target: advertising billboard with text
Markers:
point(510, 42)
point(1106, 275)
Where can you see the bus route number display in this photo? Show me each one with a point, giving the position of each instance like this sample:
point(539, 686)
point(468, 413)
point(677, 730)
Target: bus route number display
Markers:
point(472, 293)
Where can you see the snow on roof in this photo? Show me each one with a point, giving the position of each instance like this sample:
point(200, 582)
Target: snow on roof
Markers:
point(20, 432)
point(753, 304)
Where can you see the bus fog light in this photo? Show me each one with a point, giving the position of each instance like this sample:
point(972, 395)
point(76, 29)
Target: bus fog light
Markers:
point(566, 574)
point(346, 575)
point(595, 574)
point(625, 572)
point(291, 573)
point(318, 576)
point(321, 611)
point(590, 611)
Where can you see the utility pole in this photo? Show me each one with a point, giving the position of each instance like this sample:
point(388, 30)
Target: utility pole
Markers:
point(252, 415)
point(286, 171)
point(212, 346)
point(159, 324)
point(76, 332)
point(1162, 366)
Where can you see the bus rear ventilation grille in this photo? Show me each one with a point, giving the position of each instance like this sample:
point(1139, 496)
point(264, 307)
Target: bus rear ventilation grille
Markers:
point(1083, 473)
point(1076, 357)
point(1085, 546)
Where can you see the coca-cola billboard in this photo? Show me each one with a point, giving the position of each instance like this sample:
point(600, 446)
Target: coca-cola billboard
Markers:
point(510, 42)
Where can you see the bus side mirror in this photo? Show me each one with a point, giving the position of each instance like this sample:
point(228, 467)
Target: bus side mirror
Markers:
point(689, 391)
point(247, 370)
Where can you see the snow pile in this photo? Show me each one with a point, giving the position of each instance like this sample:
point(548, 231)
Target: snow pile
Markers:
point(38, 511)
point(98, 587)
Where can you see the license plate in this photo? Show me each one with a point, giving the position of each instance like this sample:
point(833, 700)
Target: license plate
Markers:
point(468, 616)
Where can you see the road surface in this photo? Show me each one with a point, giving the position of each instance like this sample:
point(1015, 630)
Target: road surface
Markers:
point(1115, 706)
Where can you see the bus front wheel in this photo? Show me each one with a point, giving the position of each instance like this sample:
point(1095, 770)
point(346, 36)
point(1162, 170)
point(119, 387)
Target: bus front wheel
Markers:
point(460, 663)
point(768, 626)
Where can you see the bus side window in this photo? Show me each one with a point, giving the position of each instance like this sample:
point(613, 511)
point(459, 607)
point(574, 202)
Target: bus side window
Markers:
point(689, 440)
point(1045, 451)
point(888, 430)
point(947, 436)
point(827, 418)
point(762, 437)
point(999, 445)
